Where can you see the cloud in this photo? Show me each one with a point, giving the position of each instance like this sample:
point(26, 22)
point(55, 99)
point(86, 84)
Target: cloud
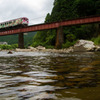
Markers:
point(35, 10)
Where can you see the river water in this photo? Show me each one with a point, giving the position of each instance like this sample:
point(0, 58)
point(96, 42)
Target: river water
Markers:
point(49, 76)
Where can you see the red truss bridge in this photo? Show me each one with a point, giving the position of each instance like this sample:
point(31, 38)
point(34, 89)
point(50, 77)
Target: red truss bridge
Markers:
point(55, 25)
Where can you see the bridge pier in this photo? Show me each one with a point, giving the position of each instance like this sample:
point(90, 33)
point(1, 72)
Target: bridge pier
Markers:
point(21, 41)
point(99, 28)
point(59, 38)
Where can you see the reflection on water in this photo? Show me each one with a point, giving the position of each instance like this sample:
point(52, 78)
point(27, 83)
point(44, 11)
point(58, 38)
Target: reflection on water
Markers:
point(49, 76)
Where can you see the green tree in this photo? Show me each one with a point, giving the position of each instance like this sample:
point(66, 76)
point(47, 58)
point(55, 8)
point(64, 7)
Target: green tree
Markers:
point(69, 9)
point(88, 7)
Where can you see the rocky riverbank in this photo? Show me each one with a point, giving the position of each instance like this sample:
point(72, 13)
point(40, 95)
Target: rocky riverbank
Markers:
point(45, 50)
point(80, 46)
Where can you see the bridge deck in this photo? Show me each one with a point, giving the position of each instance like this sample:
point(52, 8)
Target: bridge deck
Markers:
point(39, 27)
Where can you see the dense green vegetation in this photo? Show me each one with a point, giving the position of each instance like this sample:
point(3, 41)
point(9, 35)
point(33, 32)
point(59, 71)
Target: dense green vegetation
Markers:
point(8, 47)
point(96, 40)
point(69, 9)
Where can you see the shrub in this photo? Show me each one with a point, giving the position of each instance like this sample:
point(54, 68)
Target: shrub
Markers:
point(68, 44)
point(96, 40)
point(50, 47)
point(8, 47)
point(14, 46)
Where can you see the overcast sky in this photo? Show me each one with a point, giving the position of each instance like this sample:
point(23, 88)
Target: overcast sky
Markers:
point(35, 10)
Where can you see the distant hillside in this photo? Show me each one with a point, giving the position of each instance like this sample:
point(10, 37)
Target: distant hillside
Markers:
point(13, 39)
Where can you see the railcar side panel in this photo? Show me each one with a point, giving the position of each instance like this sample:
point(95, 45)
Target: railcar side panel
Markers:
point(13, 23)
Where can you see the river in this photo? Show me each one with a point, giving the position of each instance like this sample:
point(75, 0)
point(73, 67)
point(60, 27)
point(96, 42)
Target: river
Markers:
point(49, 76)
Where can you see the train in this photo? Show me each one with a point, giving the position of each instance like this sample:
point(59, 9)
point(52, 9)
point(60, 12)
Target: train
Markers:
point(13, 23)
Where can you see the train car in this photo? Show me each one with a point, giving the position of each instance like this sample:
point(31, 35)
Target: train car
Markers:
point(13, 23)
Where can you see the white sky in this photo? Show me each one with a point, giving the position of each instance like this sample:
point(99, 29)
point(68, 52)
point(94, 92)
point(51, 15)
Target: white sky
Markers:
point(35, 10)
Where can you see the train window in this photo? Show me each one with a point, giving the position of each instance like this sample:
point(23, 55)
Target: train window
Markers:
point(25, 18)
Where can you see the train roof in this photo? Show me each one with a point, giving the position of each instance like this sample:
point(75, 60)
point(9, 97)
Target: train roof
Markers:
point(13, 19)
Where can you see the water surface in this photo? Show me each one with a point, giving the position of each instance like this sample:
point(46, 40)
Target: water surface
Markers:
point(49, 76)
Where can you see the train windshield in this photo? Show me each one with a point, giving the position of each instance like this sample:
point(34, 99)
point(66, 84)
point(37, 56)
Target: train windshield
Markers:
point(25, 19)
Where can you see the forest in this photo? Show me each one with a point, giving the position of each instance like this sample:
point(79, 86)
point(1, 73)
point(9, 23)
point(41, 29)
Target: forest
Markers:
point(12, 40)
point(70, 9)
point(64, 10)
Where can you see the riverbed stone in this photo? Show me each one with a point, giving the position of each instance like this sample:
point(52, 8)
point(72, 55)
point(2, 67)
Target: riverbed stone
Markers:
point(40, 48)
point(97, 48)
point(86, 69)
point(84, 45)
point(32, 48)
point(10, 52)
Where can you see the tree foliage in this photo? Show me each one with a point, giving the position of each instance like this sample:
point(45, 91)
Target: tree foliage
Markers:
point(69, 9)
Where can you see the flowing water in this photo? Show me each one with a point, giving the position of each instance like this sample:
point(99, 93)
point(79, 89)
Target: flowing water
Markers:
point(49, 76)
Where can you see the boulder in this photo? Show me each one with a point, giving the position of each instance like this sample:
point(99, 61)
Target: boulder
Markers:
point(32, 48)
point(97, 48)
point(84, 45)
point(40, 48)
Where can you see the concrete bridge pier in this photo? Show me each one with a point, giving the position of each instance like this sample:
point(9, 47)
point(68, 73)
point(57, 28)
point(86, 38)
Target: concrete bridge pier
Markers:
point(21, 41)
point(59, 38)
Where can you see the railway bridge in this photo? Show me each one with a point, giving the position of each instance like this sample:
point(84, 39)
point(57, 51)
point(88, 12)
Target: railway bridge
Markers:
point(55, 25)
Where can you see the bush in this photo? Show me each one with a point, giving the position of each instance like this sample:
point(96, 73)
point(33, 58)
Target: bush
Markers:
point(70, 37)
point(68, 44)
point(50, 47)
point(35, 44)
point(14, 46)
point(8, 47)
point(96, 40)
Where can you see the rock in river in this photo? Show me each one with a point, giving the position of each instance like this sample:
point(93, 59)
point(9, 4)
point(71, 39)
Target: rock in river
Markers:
point(84, 45)
point(10, 52)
